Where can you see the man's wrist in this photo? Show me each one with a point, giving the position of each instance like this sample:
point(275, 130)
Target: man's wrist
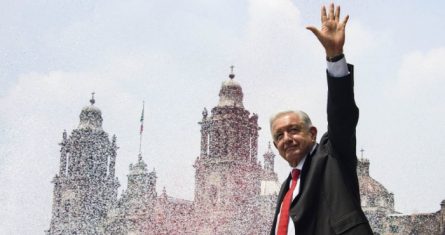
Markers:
point(335, 58)
point(333, 52)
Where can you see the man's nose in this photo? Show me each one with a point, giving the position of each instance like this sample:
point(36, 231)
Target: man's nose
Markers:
point(287, 137)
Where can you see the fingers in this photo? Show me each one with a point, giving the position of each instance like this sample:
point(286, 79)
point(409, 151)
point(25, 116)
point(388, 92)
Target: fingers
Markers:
point(324, 17)
point(337, 14)
point(334, 13)
point(331, 12)
point(345, 20)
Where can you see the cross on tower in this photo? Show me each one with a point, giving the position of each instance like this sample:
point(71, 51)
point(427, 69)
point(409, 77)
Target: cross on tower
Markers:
point(231, 76)
point(92, 101)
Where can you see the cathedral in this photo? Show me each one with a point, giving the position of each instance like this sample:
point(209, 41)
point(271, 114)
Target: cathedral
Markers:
point(234, 192)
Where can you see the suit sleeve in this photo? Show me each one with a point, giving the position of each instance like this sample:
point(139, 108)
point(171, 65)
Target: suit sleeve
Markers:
point(342, 118)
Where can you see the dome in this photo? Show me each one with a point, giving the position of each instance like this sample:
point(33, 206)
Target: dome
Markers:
point(91, 117)
point(231, 93)
point(370, 186)
point(373, 194)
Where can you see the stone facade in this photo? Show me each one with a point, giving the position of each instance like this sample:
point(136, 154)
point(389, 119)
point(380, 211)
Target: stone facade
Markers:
point(234, 193)
point(134, 210)
point(378, 205)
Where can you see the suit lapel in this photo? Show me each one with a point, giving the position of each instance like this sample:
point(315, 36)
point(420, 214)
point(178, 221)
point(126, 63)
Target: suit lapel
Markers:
point(304, 173)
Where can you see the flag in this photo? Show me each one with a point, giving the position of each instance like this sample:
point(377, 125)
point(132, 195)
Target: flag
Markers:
point(142, 119)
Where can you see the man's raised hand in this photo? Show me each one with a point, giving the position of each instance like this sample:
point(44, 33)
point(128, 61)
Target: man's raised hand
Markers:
point(332, 33)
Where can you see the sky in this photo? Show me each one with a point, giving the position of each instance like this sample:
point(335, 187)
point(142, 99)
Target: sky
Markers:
point(174, 55)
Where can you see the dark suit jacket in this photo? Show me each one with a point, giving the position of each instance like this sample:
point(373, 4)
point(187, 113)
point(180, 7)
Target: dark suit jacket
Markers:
point(329, 199)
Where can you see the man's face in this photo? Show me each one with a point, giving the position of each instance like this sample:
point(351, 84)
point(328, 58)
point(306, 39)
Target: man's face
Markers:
point(292, 139)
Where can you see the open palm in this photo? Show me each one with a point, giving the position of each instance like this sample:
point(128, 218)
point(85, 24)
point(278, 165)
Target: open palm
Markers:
point(332, 32)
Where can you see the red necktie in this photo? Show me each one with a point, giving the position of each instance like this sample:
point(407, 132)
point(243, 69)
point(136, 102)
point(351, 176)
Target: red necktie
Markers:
point(285, 205)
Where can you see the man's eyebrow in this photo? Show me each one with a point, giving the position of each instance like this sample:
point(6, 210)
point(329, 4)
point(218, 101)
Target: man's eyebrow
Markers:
point(299, 125)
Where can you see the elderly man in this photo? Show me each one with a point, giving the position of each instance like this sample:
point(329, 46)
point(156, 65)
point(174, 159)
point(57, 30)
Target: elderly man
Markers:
point(321, 194)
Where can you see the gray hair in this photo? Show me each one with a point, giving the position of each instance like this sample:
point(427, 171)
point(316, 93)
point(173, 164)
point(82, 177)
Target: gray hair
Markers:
point(305, 119)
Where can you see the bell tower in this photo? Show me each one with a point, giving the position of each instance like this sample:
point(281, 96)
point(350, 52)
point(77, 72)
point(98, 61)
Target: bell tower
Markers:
point(85, 187)
point(227, 175)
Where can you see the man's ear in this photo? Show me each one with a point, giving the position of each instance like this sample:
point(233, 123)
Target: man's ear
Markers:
point(313, 131)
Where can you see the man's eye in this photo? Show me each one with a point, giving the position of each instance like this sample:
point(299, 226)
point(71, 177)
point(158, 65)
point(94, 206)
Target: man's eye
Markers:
point(279, 136)
point(294, 130)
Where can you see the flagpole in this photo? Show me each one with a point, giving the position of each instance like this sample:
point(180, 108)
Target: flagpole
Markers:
point(141, 130)
point(140, 143)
